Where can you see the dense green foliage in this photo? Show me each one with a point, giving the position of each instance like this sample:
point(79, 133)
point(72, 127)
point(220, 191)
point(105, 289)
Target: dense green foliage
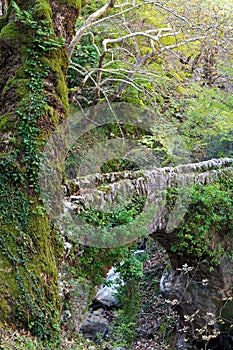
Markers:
point(208, 225)
point(115, 218)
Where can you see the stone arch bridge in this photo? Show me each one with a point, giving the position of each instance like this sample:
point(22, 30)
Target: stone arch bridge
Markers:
point(102, 190)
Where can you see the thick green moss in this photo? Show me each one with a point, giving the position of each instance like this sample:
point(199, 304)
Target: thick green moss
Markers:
point(29, 273)
point(43, 10)
point(19, 85)
point(4, 310)
point(53, 115)
point(57, 65)
point(77, 4)
point(61, 90)
point(60, 56)
point(8, 290)
point(43, 264)
point(10, 32)
point(6, 122)
point(21, 91)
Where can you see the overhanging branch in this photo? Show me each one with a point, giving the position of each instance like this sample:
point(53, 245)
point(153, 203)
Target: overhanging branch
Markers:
point(87, 24)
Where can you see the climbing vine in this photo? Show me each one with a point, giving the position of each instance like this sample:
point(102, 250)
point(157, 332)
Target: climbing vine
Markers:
point(34, 106)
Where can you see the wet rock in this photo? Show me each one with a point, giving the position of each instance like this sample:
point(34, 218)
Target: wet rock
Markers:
point(93, 325)
point(107, 294)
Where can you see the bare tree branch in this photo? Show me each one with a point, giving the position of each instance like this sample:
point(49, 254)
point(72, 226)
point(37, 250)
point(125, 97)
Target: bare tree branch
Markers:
point(123, 54)
point(183, 42)
point(87, 24)
point(134, 34)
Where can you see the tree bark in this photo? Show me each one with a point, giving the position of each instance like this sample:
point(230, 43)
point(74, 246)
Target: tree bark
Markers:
point(33, 101)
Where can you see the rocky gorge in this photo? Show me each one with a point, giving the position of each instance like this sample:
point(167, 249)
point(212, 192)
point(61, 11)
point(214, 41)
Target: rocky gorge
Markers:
point(197, 290)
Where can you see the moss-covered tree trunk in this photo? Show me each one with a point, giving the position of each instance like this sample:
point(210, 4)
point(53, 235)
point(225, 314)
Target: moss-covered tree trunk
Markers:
point(33, 66)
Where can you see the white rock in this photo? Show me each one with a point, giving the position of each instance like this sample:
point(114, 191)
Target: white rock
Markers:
point(106, 295)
